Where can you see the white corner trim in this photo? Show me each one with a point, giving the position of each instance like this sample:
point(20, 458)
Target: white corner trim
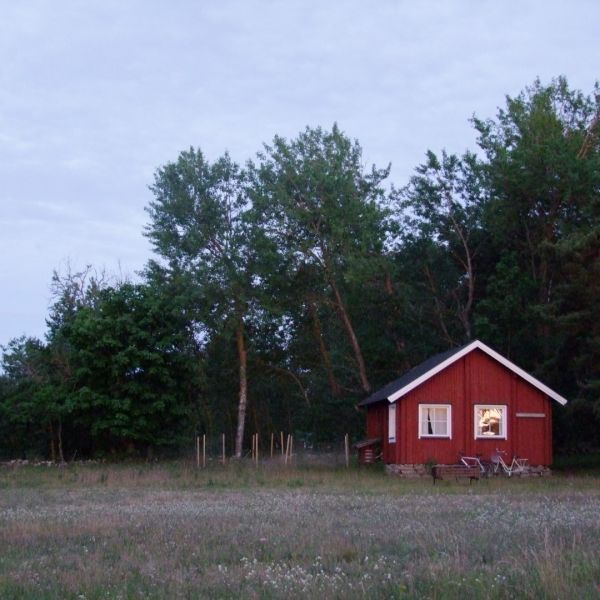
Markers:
point(466, 350)
point(392, 424)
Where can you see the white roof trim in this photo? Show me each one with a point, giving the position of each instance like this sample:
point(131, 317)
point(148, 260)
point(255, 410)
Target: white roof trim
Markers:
point(466, 350)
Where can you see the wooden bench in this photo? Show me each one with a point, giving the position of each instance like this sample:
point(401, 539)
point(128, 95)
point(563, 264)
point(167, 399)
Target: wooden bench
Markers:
point(455, 472)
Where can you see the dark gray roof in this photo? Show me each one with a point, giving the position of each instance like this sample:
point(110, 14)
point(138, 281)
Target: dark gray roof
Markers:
point(410, 376)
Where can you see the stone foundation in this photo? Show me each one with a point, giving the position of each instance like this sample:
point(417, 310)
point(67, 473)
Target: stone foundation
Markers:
point(538, 471)
point(419, 471)
point(408, 471)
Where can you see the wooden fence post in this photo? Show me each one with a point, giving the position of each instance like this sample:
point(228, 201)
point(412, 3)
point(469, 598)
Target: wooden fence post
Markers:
point(272, 444)
point(198, 451)
point(347, 449)
point(287, 450)
point(204, 451)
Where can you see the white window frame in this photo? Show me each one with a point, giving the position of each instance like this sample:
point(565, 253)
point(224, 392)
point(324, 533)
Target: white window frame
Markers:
point(504, 422)
point(392, 423)
point(448, 408)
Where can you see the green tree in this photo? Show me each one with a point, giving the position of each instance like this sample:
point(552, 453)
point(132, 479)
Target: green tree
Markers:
point(441, 210)
point(542, 166)
point(505, 317)
point(198, 227)
point(136, 369)
point(33, 398)
point(323, 215)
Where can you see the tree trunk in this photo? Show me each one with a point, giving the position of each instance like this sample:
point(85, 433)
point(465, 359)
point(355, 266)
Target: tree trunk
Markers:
point(439, 310)
point(464, 311)
point(360, 363)
point(343, 313)
point(590, 135)
point(61, 456)
point(52, 445)
point(243, 396)
point(318, 333)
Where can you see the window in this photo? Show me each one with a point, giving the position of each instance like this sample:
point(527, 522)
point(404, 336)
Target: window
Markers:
point(490, 421)
point(392, 423)
point(435, 420)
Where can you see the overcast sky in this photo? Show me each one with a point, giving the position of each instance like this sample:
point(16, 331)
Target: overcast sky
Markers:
point(95, 95)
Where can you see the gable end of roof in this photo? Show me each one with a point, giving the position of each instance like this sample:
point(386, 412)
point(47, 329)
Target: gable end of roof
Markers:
point(421, 373)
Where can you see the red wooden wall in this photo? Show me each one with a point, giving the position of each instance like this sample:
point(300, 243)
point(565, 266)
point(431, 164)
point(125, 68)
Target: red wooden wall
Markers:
point(474, 379)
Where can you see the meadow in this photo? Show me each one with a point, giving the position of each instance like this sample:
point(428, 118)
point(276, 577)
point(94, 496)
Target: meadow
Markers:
point(169, 530)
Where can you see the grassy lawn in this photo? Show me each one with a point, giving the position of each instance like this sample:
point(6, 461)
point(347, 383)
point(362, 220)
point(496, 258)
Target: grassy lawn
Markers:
point(171, 531)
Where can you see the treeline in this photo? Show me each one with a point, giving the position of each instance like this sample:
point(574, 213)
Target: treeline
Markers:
point(284, 290)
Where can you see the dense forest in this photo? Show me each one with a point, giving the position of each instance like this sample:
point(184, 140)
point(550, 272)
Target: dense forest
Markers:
point(283, 290)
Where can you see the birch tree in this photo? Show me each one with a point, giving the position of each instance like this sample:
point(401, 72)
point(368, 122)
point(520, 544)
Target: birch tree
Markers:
point(198, 226)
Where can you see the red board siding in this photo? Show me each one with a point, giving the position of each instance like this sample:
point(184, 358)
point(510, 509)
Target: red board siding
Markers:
point(530, 430)
point(377, 426)
point(445, 388)
point(474, 379)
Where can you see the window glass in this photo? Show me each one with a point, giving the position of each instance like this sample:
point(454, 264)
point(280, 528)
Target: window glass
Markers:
point(490, 421)
point(434, 421)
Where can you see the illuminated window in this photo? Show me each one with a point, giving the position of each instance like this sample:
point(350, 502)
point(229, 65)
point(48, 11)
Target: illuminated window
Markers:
point(435, 420)
point(490, 421)
point(392, 423)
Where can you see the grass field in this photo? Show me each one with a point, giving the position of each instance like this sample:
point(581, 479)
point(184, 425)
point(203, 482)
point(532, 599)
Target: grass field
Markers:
point(171, 531)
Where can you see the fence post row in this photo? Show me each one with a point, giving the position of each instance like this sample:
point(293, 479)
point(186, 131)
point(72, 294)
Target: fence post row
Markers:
point(287, 448)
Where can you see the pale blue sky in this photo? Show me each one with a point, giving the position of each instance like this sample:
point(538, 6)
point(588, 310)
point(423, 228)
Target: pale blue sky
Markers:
point(95, 95)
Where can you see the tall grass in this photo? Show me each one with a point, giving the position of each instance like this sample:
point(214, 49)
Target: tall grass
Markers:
point(170, 530)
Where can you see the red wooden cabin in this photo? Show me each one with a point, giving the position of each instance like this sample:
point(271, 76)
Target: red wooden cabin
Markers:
point(468, 400)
